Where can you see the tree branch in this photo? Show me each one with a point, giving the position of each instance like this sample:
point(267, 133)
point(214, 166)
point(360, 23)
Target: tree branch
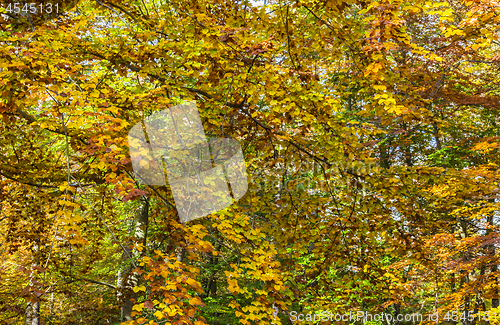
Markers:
point(27, 183)
point(97, 282)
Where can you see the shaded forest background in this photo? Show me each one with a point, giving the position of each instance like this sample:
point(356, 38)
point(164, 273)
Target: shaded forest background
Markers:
point(369, 130)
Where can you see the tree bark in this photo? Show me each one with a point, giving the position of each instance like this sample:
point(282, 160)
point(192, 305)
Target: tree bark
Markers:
point(492, 251)
point(436, 137)
point(127, 279)
point(29, 314)
point(36, 314)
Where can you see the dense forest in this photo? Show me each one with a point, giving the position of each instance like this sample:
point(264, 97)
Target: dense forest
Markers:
point(369, 131)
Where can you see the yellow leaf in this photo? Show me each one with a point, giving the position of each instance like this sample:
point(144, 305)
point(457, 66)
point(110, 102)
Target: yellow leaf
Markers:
point(138, 307)
point(158, 314)
point(233, 285)
point(140, 288)
point(170, 312)
point(195, 301)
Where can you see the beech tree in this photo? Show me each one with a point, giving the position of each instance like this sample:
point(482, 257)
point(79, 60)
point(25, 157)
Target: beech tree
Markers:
point(369, 131)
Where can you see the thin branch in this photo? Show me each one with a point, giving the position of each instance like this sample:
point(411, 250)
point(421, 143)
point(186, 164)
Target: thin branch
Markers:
point(97, 282)
point(27, 183)
point(288, 39)
point(106, 225)
point(339, 37)
point(32, 120)
point(227, 95)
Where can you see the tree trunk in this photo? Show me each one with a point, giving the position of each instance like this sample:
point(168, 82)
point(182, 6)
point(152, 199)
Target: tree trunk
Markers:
point(29, 314)
point(126, 278)
point(384, 154)
point(436, 137)
point(494, 301)
point(36, 314)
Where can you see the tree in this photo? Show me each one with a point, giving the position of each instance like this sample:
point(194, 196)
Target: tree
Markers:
point(369, 133)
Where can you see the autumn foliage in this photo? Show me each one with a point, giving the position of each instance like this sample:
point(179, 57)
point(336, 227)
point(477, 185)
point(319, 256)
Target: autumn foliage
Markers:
point(369, 130)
